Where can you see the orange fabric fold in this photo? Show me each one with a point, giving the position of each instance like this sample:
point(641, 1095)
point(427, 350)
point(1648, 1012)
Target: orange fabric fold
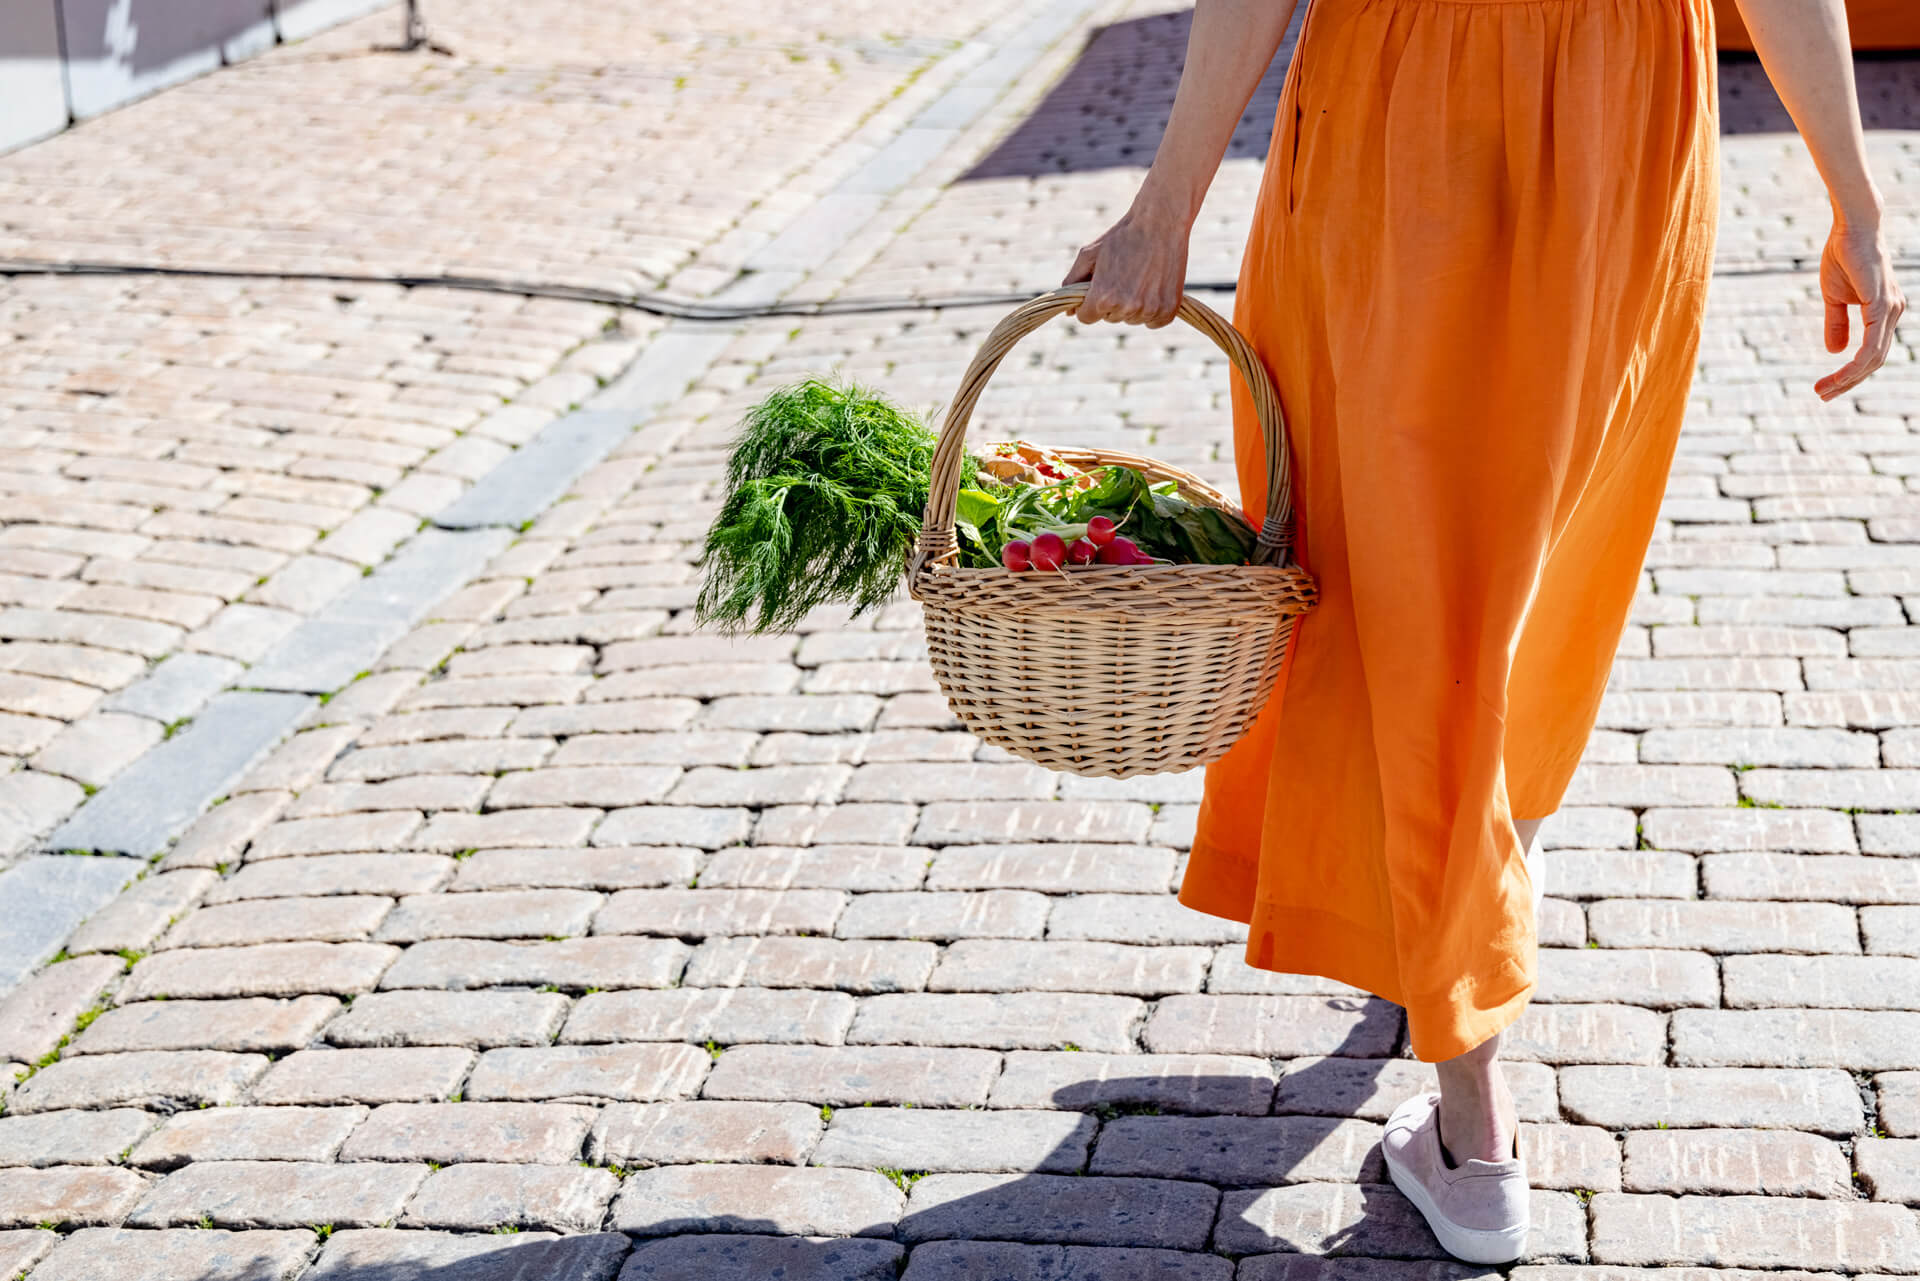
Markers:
point(1476, 271)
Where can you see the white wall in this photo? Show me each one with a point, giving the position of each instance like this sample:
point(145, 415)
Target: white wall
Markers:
point(66, 60)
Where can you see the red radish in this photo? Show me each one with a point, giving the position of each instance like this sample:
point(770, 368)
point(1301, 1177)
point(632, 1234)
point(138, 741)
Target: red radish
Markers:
point(1122, 551)
point(1081, 552)
point(1016, 556)
point(1048, 551)
point(1100, 531)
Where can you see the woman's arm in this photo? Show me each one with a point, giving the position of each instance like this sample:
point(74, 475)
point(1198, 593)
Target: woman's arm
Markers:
point(1139, 266)
point(1803, 45)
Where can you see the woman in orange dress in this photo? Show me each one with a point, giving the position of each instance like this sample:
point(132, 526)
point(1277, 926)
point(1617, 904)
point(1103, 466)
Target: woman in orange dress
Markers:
point(1476, 271)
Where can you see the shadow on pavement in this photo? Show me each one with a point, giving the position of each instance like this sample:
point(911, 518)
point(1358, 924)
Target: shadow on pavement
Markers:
point(1110, 108)
point(1175, 1175)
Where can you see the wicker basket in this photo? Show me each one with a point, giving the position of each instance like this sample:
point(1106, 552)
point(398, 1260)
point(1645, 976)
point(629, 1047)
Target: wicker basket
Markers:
point(1110, 670)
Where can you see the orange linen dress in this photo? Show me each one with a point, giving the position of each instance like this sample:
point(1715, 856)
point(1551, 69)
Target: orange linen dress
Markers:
point(1476, 271)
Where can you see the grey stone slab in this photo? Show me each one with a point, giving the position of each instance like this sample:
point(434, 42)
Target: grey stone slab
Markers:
point(813, 237)
point(349, 635)
point(1009, 1261)
point(177, 687)
point(153, 799)
point(535, 476)
point(672, 359)
point(897, 163)
point(745, 1257)
point(958, 106)
point(44, 899)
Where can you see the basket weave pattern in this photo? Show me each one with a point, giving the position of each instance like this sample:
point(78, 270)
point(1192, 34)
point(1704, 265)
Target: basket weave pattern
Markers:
point(1110, 670)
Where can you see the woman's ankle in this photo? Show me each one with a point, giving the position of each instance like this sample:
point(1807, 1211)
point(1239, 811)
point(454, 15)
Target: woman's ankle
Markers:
point(1478, 1121)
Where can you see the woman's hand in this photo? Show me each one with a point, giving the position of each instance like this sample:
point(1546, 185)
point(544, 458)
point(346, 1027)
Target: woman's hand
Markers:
point(1137, 270)
point(1856, 271)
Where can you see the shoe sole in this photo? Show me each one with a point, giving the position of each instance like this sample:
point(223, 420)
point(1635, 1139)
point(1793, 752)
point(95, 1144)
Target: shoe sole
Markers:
point(1470, 1245)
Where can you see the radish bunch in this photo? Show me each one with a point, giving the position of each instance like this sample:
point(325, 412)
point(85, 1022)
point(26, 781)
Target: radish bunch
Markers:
point(1100, 544)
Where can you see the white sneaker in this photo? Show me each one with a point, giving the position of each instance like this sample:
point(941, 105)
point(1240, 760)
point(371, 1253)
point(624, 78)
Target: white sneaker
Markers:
point(1478, 1209)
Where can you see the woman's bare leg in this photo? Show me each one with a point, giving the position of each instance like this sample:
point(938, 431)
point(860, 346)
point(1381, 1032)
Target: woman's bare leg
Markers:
point(1477, 1120)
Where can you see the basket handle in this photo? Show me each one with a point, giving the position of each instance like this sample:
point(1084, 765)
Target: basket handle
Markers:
point(937, 539)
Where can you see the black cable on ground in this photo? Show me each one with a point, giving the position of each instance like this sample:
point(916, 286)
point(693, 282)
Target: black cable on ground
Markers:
point(661, 304)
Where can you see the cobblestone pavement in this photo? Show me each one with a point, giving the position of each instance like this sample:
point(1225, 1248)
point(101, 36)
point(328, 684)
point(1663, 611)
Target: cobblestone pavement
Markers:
point(571, 943)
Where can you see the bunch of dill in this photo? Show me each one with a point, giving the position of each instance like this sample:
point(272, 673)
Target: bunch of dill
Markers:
point(825, 489)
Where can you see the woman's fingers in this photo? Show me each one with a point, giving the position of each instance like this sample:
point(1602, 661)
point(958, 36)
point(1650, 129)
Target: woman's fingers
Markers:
point(1836, 326)
point(1082, 268)
point(1876, 341)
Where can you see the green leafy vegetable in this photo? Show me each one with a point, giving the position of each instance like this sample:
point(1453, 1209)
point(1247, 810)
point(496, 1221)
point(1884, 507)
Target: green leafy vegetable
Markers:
point(825, 489)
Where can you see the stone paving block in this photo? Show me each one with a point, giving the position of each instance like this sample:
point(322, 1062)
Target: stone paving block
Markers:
point(252, 1025)
point(774, 785)
point(1594, 874)
point(998, 965)
point(1240, 1151)
point(1371, 1088)
point(479, 1020)
point(1898, 1102)
point(429, 792)
point(263, 969)
point(1890, 1168)
point(402, 1075)
point(1275, 1026)
point(661, 1071)
point(485, 1198)
point(1842, 982)
point(224, 832)
point(1772, 1162)
point(1891, 930)
point(1711, 926)
point(335, 919)
point(1151, 919)
point(21, 1248)
point(142, 911)
point(1576, 1158)
point(49, 898)
point(77, 1196)
point(848, 1076)
point(247, 1134)
point(887, 825)
point(1660, 979)
point(603, 786)
point(613, 961)
point(859, 966)
point(498, 914)
point(730, 1016)
point(1754, 1232)
point(689, 1132)
point(526, 828)
point(996, 914)
point(706, 913)
point(1007, 1261)
point(278, 1194)
point(344, 834)
point(35, 1015)
point(387, 875)
point(71, 1138)
point(1061, 1209)
point(946, 1140)
point(1055, 869)
point(93, 749)
point(412, 1255)
point(1370, 1219)
point(535, 476)
point(379, 763)
point(599, 869)
point(1001, 822)
point(1000, 1020)
point(129, 1254)
point(1858, 1040)
point(1821, 1100)
point(534, 1133)
point(756, 1198)
point(1229, 973)
point(1587, 1034)
point(162, 1081)
point(670, 825)
point(1194, 1083)
point(747, 1256)
point(157, 796)
point(1311, 1267)
point(1840, 878)
point(819, 867)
